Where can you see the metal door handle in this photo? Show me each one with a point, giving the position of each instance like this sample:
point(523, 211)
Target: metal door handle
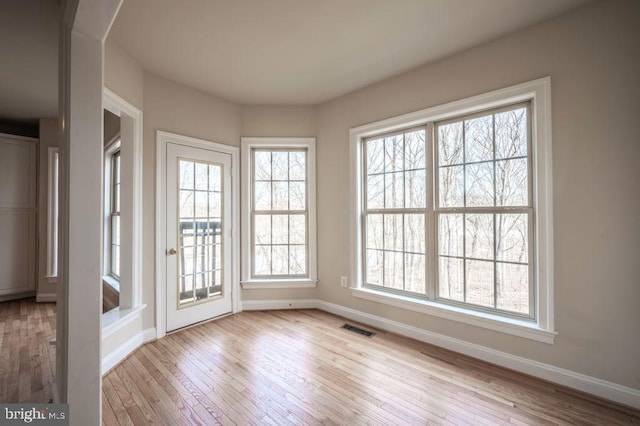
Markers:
point(172, 251)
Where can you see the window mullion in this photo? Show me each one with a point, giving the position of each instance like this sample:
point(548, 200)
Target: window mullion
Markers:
point(495, 262)
point(495, 203)
point(431, 232)
point(271, 242)
point(404, 205)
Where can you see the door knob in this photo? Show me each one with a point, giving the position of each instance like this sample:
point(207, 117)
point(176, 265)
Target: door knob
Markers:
point(172, 251)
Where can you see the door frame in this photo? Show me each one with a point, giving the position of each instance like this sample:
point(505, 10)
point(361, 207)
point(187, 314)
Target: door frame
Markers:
point(162, 139)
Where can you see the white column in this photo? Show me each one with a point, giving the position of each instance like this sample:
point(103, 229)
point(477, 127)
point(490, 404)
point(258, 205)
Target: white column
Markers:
point(84, 28)
point(84, 290)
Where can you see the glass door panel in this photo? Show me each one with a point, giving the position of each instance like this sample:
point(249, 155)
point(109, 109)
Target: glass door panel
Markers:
point(200, 227)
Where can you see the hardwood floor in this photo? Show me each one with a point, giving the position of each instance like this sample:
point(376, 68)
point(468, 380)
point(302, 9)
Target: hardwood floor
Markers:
point(27, 361)
point(300, 367)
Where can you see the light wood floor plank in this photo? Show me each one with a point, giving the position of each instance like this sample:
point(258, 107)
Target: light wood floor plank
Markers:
point(119, 411)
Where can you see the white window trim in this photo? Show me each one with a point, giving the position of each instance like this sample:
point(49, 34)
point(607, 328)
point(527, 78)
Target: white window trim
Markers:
point(247, 145)
point(52, 214)
point(539, 93)
point(131, 304)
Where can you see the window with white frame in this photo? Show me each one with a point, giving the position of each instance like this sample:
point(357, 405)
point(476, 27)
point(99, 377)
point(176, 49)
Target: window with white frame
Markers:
point(52, 213)
point(484, 210)
point(122, 226)
point(450, 215)
point(278, 189)
point(395, 211)
point(112, 204)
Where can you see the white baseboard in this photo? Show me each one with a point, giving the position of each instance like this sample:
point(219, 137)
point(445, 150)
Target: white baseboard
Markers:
point(266, 305)
point(594, 386)
point(16, 296)
point(114, 358)
point(46, 297)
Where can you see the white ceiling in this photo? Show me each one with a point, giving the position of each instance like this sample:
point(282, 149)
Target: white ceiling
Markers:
point(296, 52)
point(29, 59)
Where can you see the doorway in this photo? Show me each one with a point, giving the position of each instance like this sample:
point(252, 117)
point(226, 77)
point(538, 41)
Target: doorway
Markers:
point(197, 254)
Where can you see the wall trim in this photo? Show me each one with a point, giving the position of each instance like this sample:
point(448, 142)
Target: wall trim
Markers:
point(582, 382)
point(46, 297)
point(268, 305)
point(23, 295)
point(277, 284)
point(119, 354)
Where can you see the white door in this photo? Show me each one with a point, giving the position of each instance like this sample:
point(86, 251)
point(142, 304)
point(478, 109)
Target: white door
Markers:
point(17, 216)
point(197, 235)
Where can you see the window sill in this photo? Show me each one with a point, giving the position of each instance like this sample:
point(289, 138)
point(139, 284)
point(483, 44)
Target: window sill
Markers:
point(489, 321)
point(117, 318)
point(278, 284)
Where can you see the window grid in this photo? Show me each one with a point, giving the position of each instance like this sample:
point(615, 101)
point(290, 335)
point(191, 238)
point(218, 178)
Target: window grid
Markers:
point(498, 213)
point(495, 210)
point(268, 252)
point(400, 212)
point(200, 231)
point(114, 219)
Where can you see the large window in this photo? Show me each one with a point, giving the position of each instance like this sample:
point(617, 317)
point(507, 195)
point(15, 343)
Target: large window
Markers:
point(454, 210)
point(280, 242)
point(481, 212)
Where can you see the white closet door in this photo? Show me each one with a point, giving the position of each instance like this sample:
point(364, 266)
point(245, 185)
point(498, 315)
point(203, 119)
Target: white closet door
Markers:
point(17, 215)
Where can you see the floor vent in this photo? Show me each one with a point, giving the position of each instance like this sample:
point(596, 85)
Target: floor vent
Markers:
point(358, 330)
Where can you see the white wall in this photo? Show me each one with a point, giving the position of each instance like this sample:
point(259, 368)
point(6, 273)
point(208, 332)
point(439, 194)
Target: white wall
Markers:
point(288, 121)
point(123, 74)
point(111, 125)
point(592, 57)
